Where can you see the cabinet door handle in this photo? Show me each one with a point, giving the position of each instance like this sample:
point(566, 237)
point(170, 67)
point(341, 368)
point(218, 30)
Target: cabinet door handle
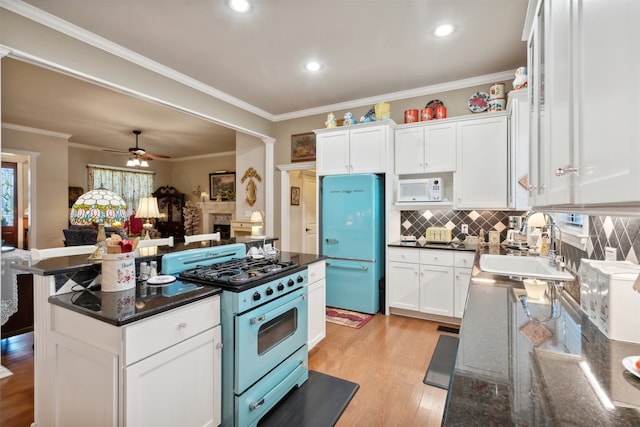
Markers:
point(219, 345)
point(182, 325)
point(566, 170)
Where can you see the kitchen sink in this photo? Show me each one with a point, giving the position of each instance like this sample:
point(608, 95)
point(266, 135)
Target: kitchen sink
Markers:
point(525, 266)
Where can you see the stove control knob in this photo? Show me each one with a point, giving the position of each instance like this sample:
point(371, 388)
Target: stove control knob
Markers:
point(280, 286)
point(299, 279)
point(290, 282)
point(256, 296)
point(269, 291)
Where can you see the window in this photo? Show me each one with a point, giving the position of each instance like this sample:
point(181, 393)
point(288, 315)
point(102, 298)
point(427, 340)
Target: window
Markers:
point(574, 228)
point(126, 183)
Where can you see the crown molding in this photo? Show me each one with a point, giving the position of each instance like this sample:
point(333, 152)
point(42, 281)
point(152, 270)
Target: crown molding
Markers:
point(33, 13)
point(35, 130)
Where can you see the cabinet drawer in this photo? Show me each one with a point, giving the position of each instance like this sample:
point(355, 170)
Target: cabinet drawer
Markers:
point(404, 255)
point(152, 335)
point(316, 271)
point(436, 257)
point(463, 259)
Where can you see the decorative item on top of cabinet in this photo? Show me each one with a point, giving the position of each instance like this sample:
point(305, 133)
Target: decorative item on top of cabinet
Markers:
point(170, 204)
point(252, 190)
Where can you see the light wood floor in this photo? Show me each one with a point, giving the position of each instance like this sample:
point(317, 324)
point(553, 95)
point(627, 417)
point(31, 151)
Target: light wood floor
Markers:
point(388, 358)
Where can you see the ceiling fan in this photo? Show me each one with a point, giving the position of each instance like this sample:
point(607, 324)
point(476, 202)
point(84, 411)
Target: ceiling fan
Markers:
point(138, 152)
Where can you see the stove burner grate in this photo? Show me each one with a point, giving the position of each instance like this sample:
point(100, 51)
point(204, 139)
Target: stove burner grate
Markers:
point(238, 271)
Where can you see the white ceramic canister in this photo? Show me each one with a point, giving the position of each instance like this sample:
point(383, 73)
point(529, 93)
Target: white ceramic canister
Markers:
point(496, 91)
point(497, 104)
point(118, 272)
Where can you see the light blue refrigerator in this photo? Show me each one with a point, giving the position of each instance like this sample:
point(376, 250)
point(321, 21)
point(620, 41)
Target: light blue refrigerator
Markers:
point(352, 236)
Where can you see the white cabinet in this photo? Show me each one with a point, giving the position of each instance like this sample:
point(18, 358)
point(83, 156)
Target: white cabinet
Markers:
point(425, 148)
point(163, 371)
point(359, 149)
point(429, 281)
point(317, 326)
point(518, 109)
point(584, 154)
point(481, 180)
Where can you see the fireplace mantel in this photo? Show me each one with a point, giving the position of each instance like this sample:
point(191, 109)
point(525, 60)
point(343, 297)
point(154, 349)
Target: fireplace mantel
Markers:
point(215, 208)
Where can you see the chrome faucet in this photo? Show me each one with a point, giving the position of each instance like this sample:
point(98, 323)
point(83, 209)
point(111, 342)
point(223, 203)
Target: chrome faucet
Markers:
point(553, 253)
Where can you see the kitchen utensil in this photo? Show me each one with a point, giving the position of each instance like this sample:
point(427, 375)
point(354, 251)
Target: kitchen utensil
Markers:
point(533, 330)
point(438, 235)
point(162, 280)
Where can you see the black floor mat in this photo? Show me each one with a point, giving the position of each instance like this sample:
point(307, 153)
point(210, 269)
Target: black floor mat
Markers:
point(319, 402)
point(442, 363)
point(449, 329)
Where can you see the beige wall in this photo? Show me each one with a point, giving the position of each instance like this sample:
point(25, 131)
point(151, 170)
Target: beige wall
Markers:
point(250, 154)
point(49, 165)
point(187, 175)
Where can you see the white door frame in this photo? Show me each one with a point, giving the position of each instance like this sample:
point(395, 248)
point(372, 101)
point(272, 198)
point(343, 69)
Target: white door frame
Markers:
point(285, 184)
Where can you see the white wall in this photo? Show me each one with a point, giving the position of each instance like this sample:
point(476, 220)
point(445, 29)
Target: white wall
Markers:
point(250, 153)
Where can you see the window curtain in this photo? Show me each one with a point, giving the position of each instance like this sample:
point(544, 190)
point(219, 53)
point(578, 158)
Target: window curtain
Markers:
point(130, 185)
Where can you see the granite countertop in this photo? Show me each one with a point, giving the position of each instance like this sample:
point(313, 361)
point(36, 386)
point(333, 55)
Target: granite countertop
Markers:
point(123, 307)
point(502, 378)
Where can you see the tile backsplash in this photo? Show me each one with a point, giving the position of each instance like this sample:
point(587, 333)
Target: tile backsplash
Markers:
point(416, 222)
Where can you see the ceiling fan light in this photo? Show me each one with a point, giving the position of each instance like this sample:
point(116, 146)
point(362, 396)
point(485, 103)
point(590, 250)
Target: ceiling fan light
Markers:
point(136, 162)
point(144, 164)
point(130, 162)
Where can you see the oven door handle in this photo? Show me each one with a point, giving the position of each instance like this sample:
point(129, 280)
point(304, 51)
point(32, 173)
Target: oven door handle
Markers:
point(257, 319)
point(272, 314)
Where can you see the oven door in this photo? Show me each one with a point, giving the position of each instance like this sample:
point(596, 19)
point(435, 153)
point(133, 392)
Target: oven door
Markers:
point(266, 336)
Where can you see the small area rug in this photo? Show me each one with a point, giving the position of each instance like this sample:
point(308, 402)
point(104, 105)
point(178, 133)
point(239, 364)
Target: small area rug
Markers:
point(319, 402)
point(442, 362)
point(352, 319)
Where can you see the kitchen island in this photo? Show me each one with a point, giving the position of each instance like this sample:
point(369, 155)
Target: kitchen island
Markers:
point(109, 342)
point(574, 377)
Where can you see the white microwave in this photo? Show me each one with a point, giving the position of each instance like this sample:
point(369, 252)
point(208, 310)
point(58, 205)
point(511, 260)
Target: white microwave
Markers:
point(420, 190)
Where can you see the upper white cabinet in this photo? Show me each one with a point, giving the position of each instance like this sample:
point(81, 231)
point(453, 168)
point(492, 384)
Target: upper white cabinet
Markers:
point(361, 148)
point(518, 108)
point(584, 109)
point(481, 180)
point(425, 148)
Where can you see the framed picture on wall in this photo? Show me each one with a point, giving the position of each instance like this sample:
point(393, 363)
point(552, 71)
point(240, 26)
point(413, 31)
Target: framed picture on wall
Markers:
point(303, 147)
point(295, 196)
point(222, 184)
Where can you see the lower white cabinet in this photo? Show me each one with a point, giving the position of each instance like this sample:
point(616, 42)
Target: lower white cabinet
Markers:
point(429, 281)
point(317, 326)
point(162, 371)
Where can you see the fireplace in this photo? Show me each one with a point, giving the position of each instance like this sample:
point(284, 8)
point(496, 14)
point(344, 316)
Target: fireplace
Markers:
point(216, 214)
point(224, 229)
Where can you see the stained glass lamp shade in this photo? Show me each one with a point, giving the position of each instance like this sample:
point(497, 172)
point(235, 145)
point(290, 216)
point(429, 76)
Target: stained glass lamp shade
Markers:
point(100, 207)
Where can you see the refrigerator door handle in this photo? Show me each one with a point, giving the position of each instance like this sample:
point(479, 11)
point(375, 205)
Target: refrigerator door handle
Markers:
point(331, 240)
point(361, 267)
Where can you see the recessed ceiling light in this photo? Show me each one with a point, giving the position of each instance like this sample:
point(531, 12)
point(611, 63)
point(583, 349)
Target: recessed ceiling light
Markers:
point(443, 30)
point(241, 6)
point(313, 66)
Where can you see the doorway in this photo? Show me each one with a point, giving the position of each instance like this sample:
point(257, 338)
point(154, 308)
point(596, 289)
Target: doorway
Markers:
point(299, 201)
point(10, 220)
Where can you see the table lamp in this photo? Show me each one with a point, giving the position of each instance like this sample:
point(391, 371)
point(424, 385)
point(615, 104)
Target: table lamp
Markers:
point(147, 209)
point(99, 206)
point(257, 228)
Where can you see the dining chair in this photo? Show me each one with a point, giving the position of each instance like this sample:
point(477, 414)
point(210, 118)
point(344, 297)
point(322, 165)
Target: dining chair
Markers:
point(164, 241)
point(39, 254)
point(202, 237)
